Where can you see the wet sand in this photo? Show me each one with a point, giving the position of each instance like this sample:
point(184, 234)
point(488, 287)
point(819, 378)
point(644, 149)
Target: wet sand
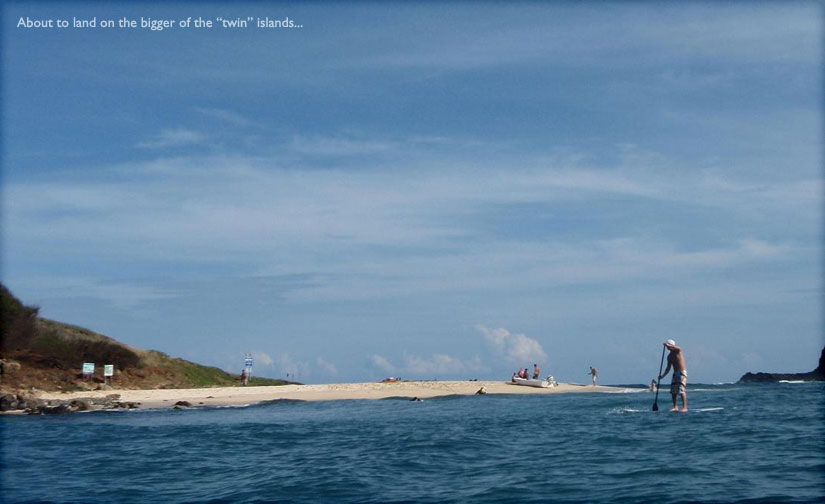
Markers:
point(238, 396)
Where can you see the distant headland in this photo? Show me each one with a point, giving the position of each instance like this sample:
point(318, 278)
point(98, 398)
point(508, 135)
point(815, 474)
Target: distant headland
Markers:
point(45, 355)
point(817, 374)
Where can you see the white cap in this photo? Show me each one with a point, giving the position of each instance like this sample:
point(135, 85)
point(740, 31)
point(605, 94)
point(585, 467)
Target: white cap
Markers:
point(670, 342)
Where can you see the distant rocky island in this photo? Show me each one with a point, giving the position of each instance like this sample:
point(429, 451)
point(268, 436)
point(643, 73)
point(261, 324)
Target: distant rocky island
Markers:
point(817, 374)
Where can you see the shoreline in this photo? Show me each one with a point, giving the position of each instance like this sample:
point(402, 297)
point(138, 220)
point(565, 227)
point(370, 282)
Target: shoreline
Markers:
point(240, 396)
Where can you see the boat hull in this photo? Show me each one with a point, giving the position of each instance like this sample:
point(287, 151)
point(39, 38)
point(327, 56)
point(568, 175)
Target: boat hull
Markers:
point(530, 383)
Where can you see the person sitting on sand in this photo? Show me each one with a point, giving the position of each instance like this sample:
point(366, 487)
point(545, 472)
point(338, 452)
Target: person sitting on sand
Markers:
point(678, 384)
point(481, 391)
point(536, 371)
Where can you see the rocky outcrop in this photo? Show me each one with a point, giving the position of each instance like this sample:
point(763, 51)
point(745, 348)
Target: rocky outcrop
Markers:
point(8, 402)
point(34, 406)
point(817, 374)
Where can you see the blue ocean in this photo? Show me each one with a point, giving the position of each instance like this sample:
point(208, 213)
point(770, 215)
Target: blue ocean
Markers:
point(740, 443)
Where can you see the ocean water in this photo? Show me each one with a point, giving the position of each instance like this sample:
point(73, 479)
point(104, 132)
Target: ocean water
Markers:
point(740, 443)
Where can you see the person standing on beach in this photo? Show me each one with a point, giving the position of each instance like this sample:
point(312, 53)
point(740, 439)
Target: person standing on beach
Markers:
point(678, 384)
point(594, 374)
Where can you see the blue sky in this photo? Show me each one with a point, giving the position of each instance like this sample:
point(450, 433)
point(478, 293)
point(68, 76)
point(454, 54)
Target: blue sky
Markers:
point(424, 190)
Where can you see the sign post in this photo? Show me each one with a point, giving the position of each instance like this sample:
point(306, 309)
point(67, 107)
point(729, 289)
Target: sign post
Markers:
point(88, 370)
point(108, 372)
point(247, 366)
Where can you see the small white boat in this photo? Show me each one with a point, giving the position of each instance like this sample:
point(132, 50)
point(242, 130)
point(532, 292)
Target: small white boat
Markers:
point(533, 383)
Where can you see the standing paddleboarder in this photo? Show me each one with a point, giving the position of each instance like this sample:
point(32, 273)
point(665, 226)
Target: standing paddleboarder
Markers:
point(678, 385)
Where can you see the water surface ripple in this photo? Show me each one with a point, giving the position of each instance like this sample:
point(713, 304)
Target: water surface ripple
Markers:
point(741, 443)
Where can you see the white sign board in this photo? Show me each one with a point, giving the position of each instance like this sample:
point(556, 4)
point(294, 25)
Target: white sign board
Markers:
point(109, 370)
point(88, 368)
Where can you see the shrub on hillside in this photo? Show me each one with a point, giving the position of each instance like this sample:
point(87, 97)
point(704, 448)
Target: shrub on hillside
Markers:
point(73, 352)
point(17, 323)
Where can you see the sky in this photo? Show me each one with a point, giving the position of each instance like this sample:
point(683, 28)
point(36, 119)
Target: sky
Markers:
point(423, 190)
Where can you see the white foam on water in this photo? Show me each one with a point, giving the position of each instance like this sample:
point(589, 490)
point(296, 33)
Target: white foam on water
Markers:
point(709, 389)
point(626, 410)
point(707, 409)
point(792, 381)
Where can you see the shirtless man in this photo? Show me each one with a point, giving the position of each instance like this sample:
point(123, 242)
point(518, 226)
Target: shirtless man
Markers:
point(593, 374)
point(536, 371)
point(678, 385)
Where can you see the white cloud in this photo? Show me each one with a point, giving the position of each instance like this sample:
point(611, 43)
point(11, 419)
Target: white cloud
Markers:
point(246, 203)
point(617, 35)
point(176, 137)
point(515, 348)
point(328, 367)
point(441, 364)
point(296, 370)
point(119, 294)
point(382, 363)
point(338, 146)
point(278, 221)
point(283, 364)
point(438, 364)
point(787, 192)
point(262, 358)
point(227, 116)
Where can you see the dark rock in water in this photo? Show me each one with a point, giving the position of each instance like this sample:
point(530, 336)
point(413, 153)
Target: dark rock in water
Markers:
point(57, 409)
point(184, 404)
point(80, 405)
point(34, 406)
point(8, 402)
point(31, 405)
point(817, 374)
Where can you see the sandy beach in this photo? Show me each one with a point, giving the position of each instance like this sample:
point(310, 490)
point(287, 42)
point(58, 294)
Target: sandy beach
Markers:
point(238, 396)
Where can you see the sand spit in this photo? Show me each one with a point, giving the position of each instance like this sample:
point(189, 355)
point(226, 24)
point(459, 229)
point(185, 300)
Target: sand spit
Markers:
point(238, 396)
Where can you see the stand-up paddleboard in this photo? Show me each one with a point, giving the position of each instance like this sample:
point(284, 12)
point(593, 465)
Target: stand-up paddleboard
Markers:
point(698, 410)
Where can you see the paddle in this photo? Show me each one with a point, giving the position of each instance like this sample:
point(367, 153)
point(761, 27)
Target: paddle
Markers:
point(658, 381)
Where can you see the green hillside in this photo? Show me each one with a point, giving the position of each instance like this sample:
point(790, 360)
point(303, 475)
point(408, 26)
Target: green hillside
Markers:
point(48, 355)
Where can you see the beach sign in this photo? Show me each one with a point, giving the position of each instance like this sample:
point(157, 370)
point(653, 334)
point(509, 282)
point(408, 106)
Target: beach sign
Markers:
point(109, 370)
point(88, 368)
point(247, 362)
